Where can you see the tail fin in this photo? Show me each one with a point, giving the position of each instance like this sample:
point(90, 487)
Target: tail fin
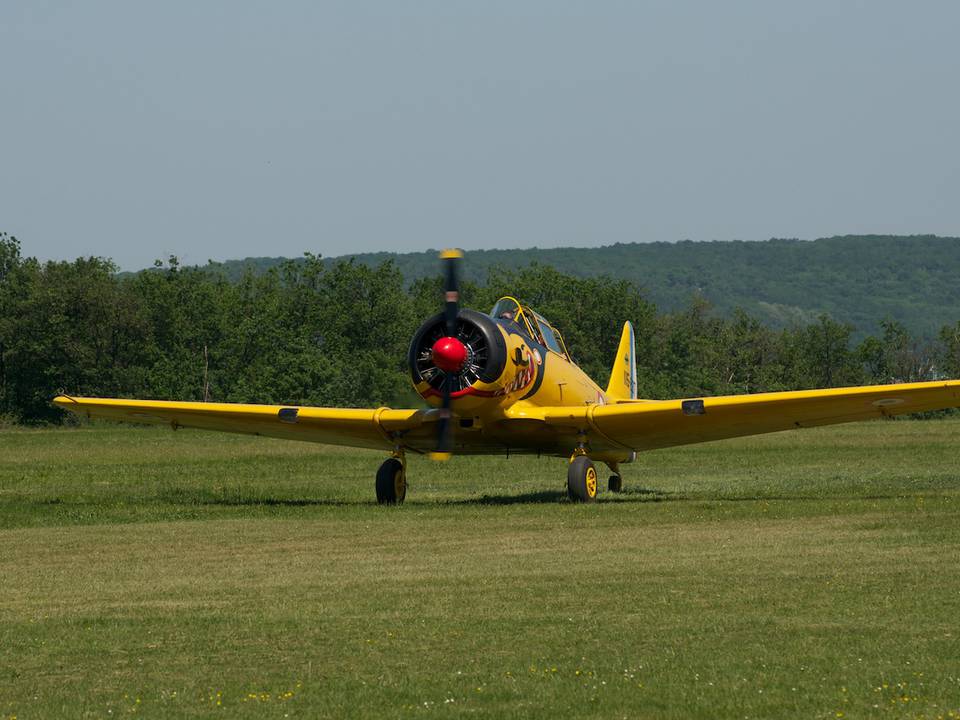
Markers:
point(623, 378)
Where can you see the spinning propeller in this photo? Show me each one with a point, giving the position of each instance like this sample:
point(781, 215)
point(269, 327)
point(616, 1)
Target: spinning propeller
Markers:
point(449, 354)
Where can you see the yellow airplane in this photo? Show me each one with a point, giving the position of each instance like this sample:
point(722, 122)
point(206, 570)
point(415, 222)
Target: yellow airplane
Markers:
point(505, 383)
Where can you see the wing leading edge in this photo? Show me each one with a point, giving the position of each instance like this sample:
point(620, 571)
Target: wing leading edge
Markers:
point(646, 425)
point(367, 428)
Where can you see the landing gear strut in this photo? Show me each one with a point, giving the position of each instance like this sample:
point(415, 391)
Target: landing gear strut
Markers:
point(392, 482)
point(582, 480)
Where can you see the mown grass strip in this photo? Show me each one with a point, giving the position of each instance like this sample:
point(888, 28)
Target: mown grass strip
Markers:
point(151, 574)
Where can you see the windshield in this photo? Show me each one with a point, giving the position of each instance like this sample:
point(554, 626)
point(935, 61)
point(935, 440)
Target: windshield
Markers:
point(550, 337)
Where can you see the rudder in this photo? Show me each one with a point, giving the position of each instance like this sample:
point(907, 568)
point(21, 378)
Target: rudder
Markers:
point(623, 377)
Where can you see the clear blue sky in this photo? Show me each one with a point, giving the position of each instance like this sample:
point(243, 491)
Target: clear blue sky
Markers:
point(226, 129)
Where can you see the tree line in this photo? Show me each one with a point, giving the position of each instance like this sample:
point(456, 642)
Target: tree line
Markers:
point(308, 332)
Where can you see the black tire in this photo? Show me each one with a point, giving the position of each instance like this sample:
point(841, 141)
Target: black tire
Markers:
point(391, 483)
point(582, 480)
point(615, 483)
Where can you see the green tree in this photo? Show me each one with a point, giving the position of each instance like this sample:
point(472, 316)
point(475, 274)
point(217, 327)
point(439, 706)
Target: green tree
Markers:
point(74, 328)
point(948, 354)
point(11, 289)
point(819, 356)
point(896, 356)
point(186, 312)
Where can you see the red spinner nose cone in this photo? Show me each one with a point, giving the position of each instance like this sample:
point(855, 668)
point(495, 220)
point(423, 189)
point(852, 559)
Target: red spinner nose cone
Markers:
point(449, 354)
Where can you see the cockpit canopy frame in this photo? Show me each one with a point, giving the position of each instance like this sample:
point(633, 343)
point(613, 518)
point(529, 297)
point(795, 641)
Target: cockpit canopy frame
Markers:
point(531, 323)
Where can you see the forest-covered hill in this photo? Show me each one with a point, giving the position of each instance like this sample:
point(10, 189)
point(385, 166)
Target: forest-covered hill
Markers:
point(856, 279)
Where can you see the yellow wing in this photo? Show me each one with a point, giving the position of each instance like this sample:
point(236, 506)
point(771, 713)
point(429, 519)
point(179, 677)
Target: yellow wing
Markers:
point(335, 426)
point(649, 424)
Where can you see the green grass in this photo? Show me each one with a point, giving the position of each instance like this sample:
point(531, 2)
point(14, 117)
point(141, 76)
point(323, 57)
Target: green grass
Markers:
point(145, 573)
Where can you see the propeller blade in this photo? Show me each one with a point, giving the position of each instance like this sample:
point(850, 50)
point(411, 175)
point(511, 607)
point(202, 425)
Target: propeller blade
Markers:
point(451, 289)
point(451, 309)
point(444, 444)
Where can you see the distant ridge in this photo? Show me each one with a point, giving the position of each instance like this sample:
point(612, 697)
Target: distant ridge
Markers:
point(857, 279)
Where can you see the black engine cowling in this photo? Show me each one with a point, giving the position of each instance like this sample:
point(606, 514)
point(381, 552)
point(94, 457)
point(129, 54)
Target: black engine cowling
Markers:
point(486, 351)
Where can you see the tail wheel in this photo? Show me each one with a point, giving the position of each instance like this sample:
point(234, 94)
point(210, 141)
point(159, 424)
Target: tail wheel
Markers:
point(391, 482)
point(615, 484)
point(582, 480)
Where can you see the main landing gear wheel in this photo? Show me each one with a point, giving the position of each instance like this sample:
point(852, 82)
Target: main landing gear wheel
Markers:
point(391, 482)
point(615, 483)
point(582, 480)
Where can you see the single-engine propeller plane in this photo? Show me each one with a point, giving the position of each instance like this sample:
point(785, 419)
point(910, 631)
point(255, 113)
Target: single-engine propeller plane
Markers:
point(504, 382)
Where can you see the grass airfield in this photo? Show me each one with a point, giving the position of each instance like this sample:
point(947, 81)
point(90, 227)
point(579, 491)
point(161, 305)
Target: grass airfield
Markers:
point(813, 574)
